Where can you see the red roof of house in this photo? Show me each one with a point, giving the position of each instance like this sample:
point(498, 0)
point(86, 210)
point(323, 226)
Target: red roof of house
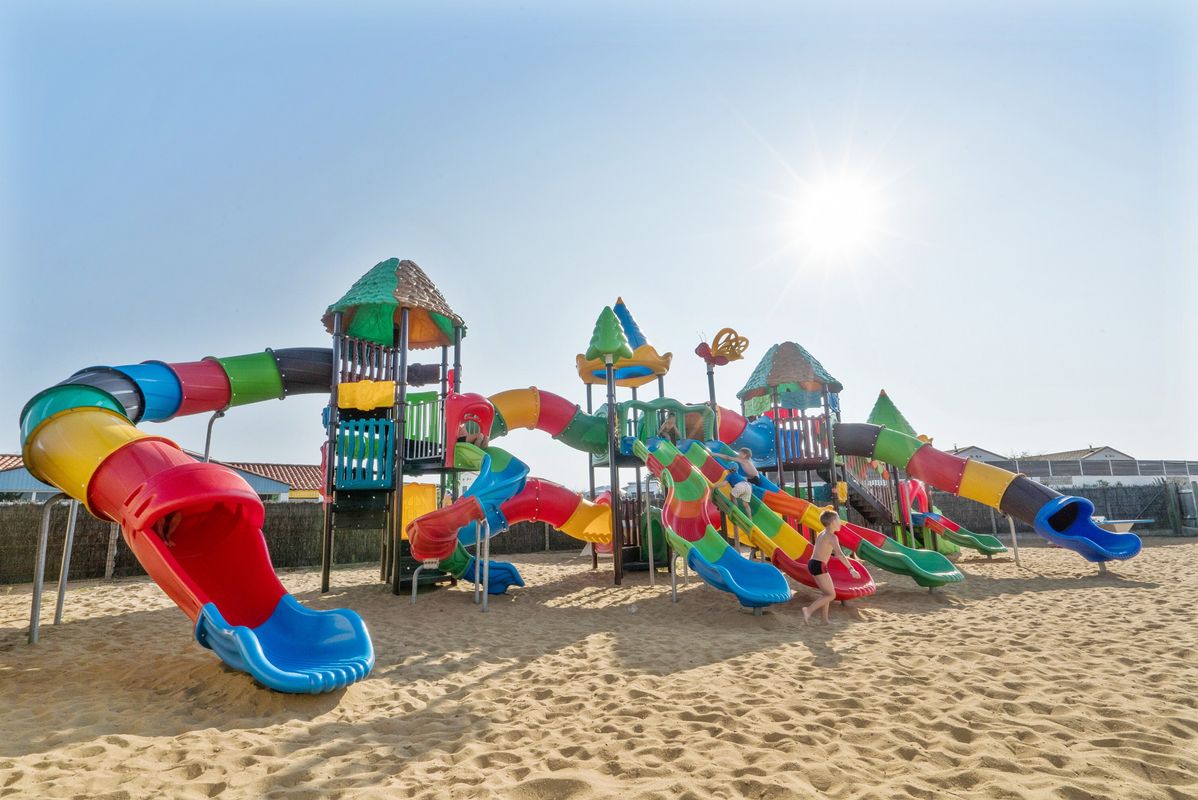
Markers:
point(297, 476)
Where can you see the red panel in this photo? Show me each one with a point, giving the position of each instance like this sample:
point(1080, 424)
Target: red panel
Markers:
point(126, 470)
point(460, 408)
point(205, 387)
point(731, 425)
point(435, 535)
point(555, 412)
point(679, 469)
point(196, 528)
point(942, 470)
point(544, 500)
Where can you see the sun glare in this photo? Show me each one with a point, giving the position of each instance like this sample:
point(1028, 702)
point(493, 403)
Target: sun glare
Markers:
point(839, 217)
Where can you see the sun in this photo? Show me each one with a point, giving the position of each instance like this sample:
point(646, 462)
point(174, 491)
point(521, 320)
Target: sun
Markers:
point(838, 217)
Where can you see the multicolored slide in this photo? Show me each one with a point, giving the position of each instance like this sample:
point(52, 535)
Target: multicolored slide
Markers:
point(196, 527)
point(692, 532)
point(787, 548)
point(563, 420)
point(503, 495)
point(1062, 520)
point(918, 512)
point(925, 567)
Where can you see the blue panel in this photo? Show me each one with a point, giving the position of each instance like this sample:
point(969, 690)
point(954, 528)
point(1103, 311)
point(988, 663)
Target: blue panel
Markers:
point(759, 437)
point(755, 583)
point(365, 454)
point(297, 650)
point(500, 577)
point(492, 490)
point(623, 373)
point(1066, 521)
point(159, 386)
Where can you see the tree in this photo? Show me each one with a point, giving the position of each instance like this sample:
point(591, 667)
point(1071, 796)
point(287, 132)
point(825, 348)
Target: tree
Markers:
point(608, 339)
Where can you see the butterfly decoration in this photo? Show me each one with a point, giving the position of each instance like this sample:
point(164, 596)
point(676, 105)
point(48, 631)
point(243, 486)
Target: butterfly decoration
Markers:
point(725, 347)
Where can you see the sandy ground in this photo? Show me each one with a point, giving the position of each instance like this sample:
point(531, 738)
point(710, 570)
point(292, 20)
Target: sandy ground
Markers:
point(1041, 682)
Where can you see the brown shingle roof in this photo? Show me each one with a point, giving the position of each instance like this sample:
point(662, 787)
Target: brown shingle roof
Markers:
point(297, 476)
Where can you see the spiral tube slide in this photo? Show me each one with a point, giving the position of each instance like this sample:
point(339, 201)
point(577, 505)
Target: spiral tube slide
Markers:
point(1063, 520)
point(196, 527)
point(503, 494)
point(690, 529)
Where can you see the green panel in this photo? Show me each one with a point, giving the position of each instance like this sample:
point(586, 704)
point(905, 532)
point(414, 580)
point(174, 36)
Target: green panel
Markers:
point(499, 459)
point(457, 562)
point(423, 406)
point(712, 546)
point(253, 378)
point(896, 448)
point(499, 426)
point(586, 432)
point(49, 402)
point(468, 457)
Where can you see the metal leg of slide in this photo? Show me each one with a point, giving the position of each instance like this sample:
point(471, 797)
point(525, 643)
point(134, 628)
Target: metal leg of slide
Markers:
point(68, 544)
point(757, 612)
point(686, 572)
point(1014, 539)
point(673, 575)
point(478, 549)
point(486, 563)
point(652, 568)
point(39, 566)
point(1102, 568)
point(416, 581)
point(208, 436)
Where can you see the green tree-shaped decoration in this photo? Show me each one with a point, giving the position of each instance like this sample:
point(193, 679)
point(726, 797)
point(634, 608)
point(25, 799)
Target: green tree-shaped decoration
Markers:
point(608, 338)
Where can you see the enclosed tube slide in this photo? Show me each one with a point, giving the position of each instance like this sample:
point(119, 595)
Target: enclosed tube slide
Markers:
point(196, 527)
point(503, 495)
point(1062, 520)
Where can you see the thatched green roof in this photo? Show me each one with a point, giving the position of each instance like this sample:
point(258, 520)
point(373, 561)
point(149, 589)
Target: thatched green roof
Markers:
point(371, 308)
point(793, 374)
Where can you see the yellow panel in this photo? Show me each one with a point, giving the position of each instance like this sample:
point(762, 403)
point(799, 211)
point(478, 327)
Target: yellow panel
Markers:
point(418, 500)
point(793, 543)
point(520, 408)
point(590, 522)
point(69, 447)
point(366, 395)
point(984, 482)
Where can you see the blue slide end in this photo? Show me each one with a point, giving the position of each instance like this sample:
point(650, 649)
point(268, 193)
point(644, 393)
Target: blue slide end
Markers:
point(755, 583)
point(759, 437)
point(1065, 521)
point(501, 576)
point(297, 650)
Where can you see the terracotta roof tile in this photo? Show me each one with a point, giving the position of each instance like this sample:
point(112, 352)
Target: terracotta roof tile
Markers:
point(297, 476)
point(9, 461)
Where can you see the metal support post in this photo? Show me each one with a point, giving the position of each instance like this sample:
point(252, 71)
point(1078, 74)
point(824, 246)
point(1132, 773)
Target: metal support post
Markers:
point(39, 565)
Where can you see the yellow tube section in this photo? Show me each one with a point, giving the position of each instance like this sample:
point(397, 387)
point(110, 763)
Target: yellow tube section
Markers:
point(520, 408)
point(67, 449)
point(985, 483)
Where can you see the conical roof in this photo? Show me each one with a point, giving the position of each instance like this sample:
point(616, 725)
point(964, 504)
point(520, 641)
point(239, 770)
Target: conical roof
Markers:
point(794, 374)
point(886, 413)
point(370, 309)
point(645, 365)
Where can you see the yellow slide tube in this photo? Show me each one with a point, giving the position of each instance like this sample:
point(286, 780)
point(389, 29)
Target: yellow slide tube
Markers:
point(520, 408)
point(985, 483)
point(70, 446)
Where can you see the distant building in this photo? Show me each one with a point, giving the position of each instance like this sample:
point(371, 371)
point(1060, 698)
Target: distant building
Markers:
point(270, 481)
point(1089, 454)
point(977, 453)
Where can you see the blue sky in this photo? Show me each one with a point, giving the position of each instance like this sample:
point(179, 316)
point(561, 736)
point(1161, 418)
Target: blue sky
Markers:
point(203, 180)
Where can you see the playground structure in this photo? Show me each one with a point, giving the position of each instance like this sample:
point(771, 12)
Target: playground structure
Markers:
point(196, 526)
